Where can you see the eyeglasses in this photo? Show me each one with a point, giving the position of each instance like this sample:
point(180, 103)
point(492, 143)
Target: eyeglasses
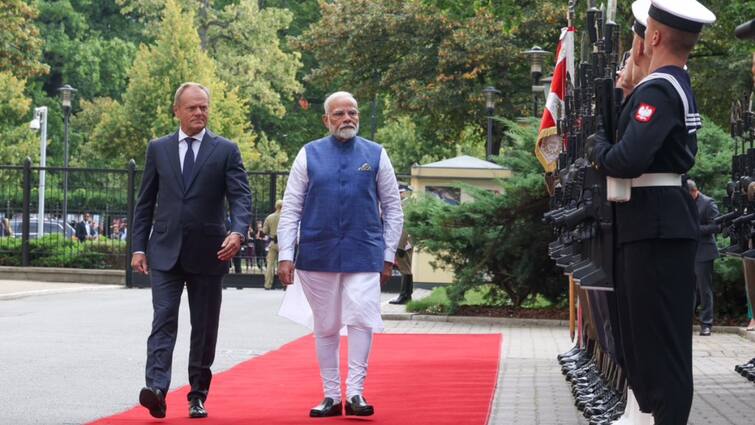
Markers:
point(341, 114)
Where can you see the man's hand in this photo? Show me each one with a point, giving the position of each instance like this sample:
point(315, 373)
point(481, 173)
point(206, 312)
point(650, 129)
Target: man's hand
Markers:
point(594, 141)
point(231, 245)
point(139, 263)
point(387, 273)
point(285, 272)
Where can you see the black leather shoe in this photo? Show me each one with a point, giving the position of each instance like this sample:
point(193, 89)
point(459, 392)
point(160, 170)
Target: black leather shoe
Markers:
point(358, 406)
point(154, 400)
point(705, 331)
point(196, 408)
point(401, 299)
point(328, 407)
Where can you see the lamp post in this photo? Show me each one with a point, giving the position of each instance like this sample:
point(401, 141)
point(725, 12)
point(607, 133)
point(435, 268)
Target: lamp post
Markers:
point(40, 123)
point(491, 95)
point(535, 55)
point(66, 94)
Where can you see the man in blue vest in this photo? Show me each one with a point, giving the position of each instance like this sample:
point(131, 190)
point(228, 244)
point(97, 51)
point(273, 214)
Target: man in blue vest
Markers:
point(343, 198)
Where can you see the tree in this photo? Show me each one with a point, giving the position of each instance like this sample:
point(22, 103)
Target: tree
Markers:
point(244, 42)
point(20, 43)
point(146, 110)
point(720, 64)
point(497, 239)
point(16, 140)
point(430, 66)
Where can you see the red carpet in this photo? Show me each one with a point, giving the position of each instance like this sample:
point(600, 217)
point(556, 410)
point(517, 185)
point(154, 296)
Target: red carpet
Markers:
point(414, 379)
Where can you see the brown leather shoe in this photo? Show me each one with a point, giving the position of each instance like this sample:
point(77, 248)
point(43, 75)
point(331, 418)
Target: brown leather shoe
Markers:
point(328, 407)
point(358, 406)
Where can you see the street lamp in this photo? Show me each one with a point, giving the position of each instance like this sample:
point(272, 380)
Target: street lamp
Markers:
point(536, 56)
point(491, 96)
point(40, 123)
point(66, 94)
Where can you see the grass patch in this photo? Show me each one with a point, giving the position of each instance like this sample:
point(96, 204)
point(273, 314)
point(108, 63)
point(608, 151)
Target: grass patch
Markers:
point(485, 295)
point(435, 303)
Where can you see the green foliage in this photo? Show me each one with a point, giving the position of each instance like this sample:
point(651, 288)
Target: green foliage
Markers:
point(146, 110)
point(402, 140)
point(435, 303)
point(429, 66)
point(712, 170)
point(16, 141)
point(720, 65)
point(728, 288)
point(244, 41)
point(20, 43)
point(57, 251)
point(496, 239)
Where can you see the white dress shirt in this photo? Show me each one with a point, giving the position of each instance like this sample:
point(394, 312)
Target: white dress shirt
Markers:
point(296, 191)
point(194, 146)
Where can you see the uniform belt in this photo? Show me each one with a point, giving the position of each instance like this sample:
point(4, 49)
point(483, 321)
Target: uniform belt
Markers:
point(658, 179)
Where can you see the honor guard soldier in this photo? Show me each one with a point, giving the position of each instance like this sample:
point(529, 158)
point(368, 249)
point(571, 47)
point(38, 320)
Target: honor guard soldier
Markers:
point(657, 227)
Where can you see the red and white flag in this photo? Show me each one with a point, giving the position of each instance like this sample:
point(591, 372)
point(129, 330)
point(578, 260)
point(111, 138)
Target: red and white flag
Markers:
point(549, 142)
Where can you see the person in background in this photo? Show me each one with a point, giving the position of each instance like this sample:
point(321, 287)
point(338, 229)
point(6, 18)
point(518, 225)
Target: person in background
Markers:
point(707, 252)
point(270, 228)
point(404, 254)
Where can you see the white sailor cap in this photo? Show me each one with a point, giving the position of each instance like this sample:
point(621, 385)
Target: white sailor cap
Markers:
point(684, 15)
point(640, 11)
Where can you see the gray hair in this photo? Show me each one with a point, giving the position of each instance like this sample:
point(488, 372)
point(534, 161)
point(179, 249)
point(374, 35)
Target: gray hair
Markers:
point(691, 185)
point(337, 95)
point(185, 86)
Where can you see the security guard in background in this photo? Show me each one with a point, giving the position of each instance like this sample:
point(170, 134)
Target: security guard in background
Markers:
point(404, 254)
point(657, 228)
point(270, 228)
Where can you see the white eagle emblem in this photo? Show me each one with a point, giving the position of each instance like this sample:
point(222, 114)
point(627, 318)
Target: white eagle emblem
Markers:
point(644, 112)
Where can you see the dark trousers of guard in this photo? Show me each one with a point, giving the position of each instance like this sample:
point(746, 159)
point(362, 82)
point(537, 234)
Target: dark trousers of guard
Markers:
point(704, 273)
point(204, 293)
point(655, 290)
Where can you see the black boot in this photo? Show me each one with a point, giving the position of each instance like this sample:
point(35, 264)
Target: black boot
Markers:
point(407, 287)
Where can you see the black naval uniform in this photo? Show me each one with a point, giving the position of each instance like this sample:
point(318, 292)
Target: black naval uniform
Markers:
point(656, 234)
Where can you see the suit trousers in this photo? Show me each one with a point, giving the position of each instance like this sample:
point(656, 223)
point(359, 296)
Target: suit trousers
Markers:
point(205, 294)
point(704, 275)
point(655, 295)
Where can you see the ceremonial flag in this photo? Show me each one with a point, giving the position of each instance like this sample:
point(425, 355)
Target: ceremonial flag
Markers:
point(549, 142)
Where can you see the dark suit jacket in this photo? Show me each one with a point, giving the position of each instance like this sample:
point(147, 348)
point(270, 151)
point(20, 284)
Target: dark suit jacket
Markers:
point(81, 231)
point(188, 223)
point(706, 245)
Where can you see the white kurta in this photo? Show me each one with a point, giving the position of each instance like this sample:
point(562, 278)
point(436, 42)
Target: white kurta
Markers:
point(356, 294)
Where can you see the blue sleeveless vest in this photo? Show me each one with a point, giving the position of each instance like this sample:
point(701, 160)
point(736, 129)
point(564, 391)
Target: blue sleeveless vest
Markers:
point(341, 229)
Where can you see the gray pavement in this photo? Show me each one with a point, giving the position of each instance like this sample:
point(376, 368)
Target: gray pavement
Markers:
point(73, 353)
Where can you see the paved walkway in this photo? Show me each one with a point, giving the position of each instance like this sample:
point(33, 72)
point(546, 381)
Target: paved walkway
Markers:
point(531, 389)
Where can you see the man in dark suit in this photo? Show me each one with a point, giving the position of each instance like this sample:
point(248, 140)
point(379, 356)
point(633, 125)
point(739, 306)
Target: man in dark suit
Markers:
point(707, 252)
point(179, 233)
point(84, 230)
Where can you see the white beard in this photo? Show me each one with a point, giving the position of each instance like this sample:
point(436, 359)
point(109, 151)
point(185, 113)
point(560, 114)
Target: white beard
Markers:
point(346, 133)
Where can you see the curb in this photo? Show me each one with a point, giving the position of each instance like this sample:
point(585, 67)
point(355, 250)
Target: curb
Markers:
point(88, 287)
point(474, 320)
point(513, 321)
point(64, 275)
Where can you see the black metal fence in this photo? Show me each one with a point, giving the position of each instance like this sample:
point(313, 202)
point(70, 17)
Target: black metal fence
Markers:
point(33, 231)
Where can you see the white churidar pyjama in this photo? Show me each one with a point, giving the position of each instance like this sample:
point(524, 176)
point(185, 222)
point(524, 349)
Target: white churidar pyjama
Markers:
point(326, 302)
